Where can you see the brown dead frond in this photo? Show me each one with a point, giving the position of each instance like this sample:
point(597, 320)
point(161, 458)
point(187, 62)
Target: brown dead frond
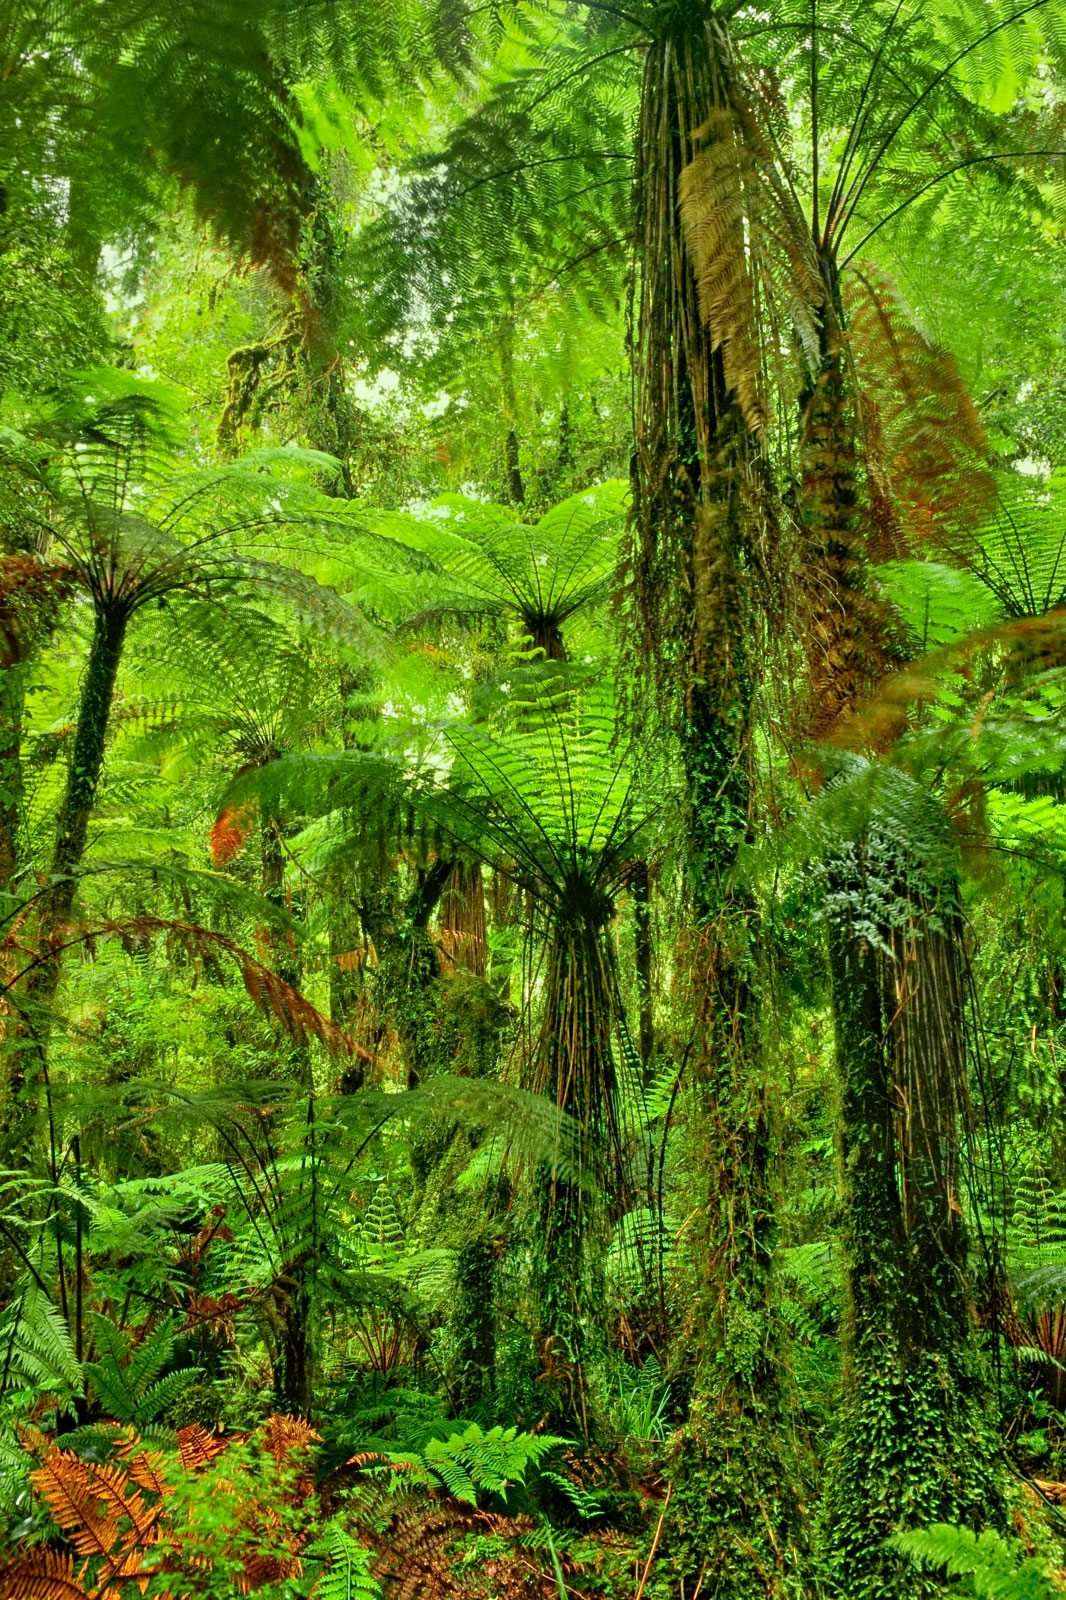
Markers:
point(1031, 645)
point(926, 451)
point(43, 1574)
point(419, 1555)
point(30, 594)
point(849, 629)
point(91, 1500)
point(198, 1448)
point(229, 833)
point(271, 993)
point(712, 196)
point(749, 245)
point(120, 1516)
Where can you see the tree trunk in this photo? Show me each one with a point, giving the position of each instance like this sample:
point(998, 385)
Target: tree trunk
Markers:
point(691, 570)
point(474, 1321)
point(849, 631)
point(410, 966)
point(575, 1065)
point(83, 779)
point(83, 773)
point(12, 700)
point(644, 962)
point(516, 491)
point(914, 1445)
point(462, 918)
point(294, 1373)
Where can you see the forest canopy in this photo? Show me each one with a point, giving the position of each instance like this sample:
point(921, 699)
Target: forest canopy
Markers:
point(533, 799)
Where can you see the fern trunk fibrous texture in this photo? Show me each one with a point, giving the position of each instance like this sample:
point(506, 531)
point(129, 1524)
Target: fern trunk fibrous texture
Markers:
point(913, 1444)
point(697, 508)
point(462, 924)
point(294, 1369)
point(575, 1064)
point(57, 899)
point(87, 758)
point(916, 1443)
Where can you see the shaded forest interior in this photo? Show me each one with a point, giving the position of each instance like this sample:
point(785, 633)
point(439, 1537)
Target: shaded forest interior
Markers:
point(533, 799)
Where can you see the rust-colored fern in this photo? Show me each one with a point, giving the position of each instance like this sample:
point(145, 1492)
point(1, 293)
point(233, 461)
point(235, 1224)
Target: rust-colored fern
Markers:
point(119, 1517)
point(230, 833)
point(90, 1501)
point(926, 450)
point(30, 593)
point(198, 1448)
point(43, 1574)
point(265, 988)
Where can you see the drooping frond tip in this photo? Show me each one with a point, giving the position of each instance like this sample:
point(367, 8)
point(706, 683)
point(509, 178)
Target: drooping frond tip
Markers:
point(270, 993)
point(712, 202)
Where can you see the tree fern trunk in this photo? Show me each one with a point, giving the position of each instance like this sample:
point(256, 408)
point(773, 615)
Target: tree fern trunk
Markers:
point(87, 758)
point(849, 630)
point(294, 1370)
point(515, 488)
point(644, 963)
point(83, 778)
point(12, 700)
point(690, 570)
point(913, 1446)
point(916, 1443)
point(575, 1065)
point(462, 918)
point(474, 1320)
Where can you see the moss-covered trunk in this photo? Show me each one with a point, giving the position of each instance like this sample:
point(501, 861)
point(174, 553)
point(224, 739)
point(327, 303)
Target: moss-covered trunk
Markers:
point(72, 830)
point(85, 766)
point(294, 1368)
point(12, 699)
point(409, 972)
point(575, 1065)
point(913, 1445)
point(473, 1321)
point(734, 1512)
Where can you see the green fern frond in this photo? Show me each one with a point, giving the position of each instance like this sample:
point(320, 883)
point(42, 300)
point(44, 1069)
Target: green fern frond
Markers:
point(35, 1345)
point(347, 1574)
point(994, 1568)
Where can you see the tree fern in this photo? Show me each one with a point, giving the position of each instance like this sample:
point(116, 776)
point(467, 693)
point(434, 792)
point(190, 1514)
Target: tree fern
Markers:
point(482, 563)
point(537, 174)
point(145, 97)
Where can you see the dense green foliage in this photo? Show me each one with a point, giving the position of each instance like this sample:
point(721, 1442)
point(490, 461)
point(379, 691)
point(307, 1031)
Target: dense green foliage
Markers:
point(532, 800)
